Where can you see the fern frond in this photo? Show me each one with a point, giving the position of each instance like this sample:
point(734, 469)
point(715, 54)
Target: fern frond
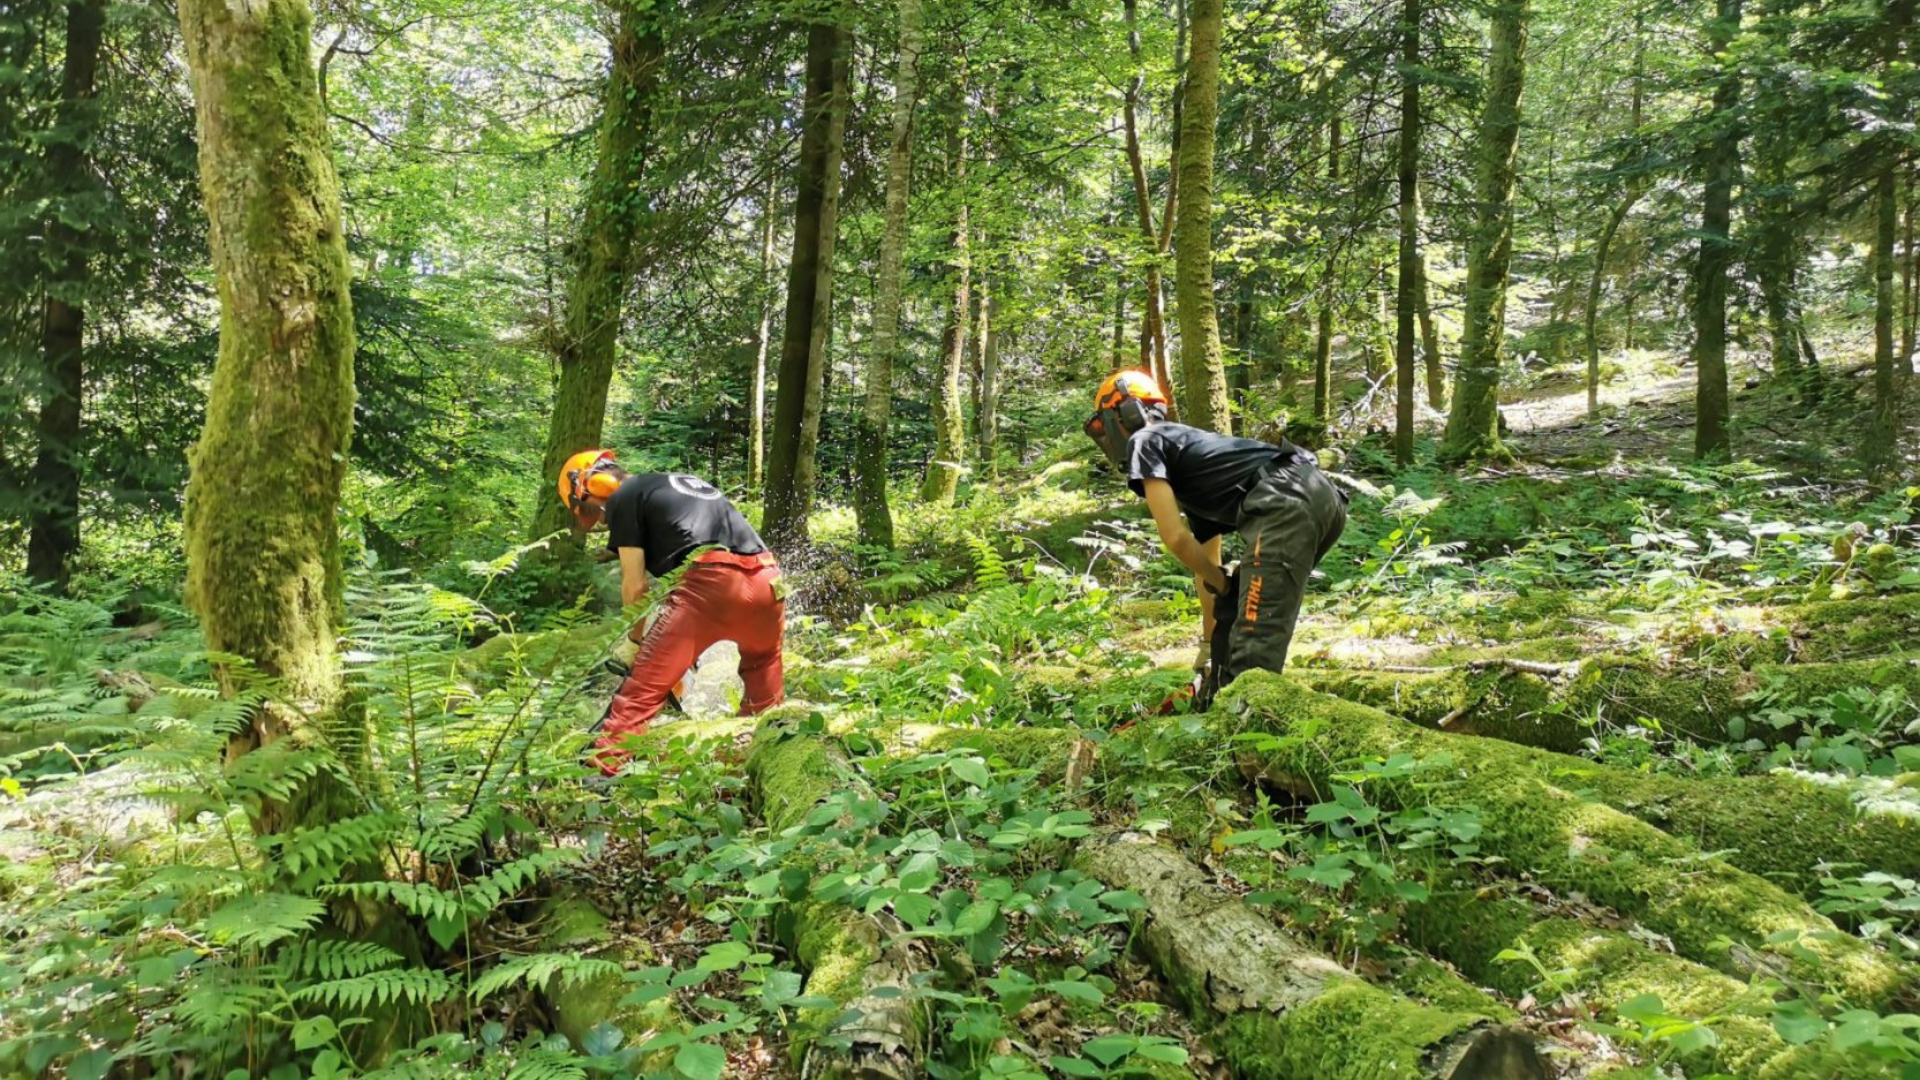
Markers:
point(548, 1065)
point(333, 959)
point(260, 919)
point(312, 855)
point(416, 986)
point(537, 970)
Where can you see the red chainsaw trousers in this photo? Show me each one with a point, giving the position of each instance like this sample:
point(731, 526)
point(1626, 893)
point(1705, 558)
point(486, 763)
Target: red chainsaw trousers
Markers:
point(721, 597)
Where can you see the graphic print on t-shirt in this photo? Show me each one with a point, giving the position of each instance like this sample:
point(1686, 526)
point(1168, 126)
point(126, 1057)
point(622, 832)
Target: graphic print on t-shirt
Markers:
point(694, 486)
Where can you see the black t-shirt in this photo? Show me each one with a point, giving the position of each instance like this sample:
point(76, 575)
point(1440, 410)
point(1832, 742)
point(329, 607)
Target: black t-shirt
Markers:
point(1210, 473)
point(669, 514)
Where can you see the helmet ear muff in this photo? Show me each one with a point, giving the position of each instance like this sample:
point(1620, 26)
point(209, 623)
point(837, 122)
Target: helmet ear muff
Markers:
point(600, 483)
point(1133, 414)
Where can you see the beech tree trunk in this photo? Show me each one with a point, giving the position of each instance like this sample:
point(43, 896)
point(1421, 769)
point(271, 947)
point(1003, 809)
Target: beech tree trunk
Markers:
point(1275, 1009)
point(820, 335)
point(1203, 372)
point(763, 330)
point(1473, 427)
point(784, 517)
point(1721, 162)
point(874, 516)
point(53, 521)
point(942, 479)
point(1409, 273)
point(603, 263)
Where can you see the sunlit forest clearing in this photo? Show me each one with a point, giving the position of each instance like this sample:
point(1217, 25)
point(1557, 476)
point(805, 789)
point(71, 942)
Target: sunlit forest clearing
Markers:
point(1168, 540)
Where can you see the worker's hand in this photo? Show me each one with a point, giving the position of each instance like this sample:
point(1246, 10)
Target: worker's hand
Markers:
point(1216, 581)
point(624, 651)
point(1203, 659)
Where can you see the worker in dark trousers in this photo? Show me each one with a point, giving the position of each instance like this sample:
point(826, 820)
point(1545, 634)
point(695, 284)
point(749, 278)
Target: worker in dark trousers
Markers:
point(1201, 485)
point(727, 587)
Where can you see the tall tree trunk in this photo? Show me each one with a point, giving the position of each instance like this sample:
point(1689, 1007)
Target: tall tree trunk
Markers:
point(1203, 373)
point(1240, 375)
point(870, 507)
point(1429, 336)
point(1473, 427)
point(54, 521)
point(784, 517)
point(604, 258)
point(1909, 288)
point(762, 334)
point(1722, 163)
point(1114, 361)
point(1619, 214)
point(942, 479)
point(1153, 332)
point(987, 411)
point(1408, 286)
point(1883, 447)
point(820, 339)
point(1323, 337)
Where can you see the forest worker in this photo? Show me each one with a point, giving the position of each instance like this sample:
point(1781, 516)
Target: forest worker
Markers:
point(728, 587)
point(1287, 512)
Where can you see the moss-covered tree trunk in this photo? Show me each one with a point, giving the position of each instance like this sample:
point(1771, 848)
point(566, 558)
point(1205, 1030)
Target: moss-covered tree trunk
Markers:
point(54, 519)
point(870, 507)
point(1276, 1010)
point(819, 339)
point(1720, 161)
point(1473, 425)
point(1408, 289)
point(784, 520)
point(942, 479)
point(1203, 372)
point(603, 251)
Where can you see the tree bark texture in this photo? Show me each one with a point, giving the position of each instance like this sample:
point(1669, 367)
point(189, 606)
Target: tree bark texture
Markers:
point(54, 519)
point(1619, 214)
point(942, 481)
point(1429, 336)
point(820, 336)
point(1405, 315)
point(613, 217)
point(874, 516)
point(263, 552)
point(1275, 1009)
point(1721, 164)
point(986, 417)
point(784, 517)
point(1473, 426)
point(763, 330)
point(1203, 372)
point(1541, 821)
point(1909, 286)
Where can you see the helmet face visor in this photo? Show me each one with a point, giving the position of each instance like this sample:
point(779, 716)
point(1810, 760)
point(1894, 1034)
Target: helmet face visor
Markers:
point(1108, 433)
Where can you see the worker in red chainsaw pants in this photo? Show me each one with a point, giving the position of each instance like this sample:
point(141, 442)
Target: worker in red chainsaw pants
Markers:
point(725, 586)
point(720, 597)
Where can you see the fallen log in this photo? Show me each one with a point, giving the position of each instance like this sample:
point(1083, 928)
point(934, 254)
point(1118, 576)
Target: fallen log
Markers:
point(1566, 842)
point(856, 960)
point(1608, 969)
point(1276, 1010)
point(1558, 712)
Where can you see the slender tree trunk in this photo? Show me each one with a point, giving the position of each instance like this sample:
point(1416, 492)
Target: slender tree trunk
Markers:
point(1323, 337)
point(1203, 372)
point(1240, 375)
point(784, 518)
point(819, 340)
point(1409, 276)
point(1884, 446)
point(1114, 361)
point(875, 517)
point(1153, 333)
point(54, 520)
point(1473, 427)
point(987, 412)
point(604, 263)
point(1620, 212)
point(1722, 164)
point(942, 480)
point(1429, 336)
point(1909, 288)
point(762, 334)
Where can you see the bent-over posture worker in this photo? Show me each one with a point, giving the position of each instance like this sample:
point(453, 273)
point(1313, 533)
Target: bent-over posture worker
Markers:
point(730, 589)
point(1286, 510)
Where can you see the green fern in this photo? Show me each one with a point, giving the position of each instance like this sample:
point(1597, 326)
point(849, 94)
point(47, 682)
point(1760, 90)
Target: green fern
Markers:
point(257, 920)
point(989, 566)
point(376, 989)
point(309, 856)
point(548, 1065)
point(537, 970)
point(333, 959)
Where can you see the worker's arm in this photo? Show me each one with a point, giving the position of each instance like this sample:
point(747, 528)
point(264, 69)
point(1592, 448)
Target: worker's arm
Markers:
point(633, 579)
point(1201, 558)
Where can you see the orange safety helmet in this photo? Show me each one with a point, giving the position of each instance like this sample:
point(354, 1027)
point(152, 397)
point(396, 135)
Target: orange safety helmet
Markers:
point(1128, 384)
point(588, 474)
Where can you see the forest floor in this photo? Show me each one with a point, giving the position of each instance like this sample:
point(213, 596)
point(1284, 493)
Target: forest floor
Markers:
point(1601, 765)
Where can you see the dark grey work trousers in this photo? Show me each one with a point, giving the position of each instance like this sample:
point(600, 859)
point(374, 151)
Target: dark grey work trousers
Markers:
point(1288, 521)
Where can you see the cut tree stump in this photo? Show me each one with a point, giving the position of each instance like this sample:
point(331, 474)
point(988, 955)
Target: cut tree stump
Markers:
point(1549, 832)
point(1274, 1009)
point(854, 959)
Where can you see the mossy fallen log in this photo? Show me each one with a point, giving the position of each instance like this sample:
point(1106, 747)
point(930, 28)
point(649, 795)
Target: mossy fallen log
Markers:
point(851, 958)
point(1276, 1010)
point(1565, 842)
point(1609, 969)
point(1558, 714)
point(1821, 631)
